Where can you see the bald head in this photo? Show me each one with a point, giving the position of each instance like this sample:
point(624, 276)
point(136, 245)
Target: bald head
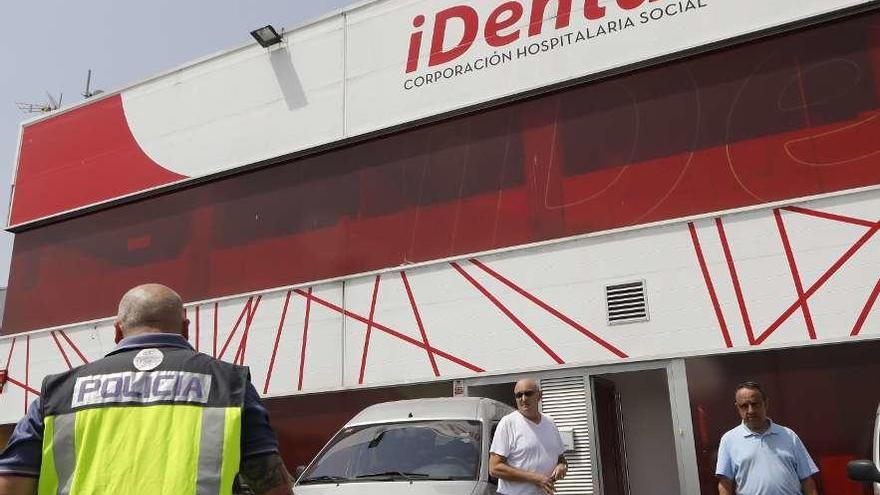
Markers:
point(150, 308)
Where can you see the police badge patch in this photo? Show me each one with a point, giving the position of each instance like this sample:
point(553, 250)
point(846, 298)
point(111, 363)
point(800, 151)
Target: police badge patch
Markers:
point(148, 359)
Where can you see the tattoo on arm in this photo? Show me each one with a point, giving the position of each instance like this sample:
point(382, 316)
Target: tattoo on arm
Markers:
point(265, 472)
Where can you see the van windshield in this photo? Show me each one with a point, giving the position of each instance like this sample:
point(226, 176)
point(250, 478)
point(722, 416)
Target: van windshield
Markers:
point(412, 451)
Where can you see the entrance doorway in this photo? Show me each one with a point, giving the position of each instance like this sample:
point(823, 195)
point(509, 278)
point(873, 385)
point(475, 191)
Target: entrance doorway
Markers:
point(635, 432)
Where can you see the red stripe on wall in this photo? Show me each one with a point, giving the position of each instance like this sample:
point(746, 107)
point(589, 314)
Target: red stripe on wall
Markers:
point(820, 282)
point(23, 386)
point(9, 357)
point(369, 329)
point(795, 275)
point(418, 317)
point(74, 347)
point(704, 268)
point(242, 344)
point(305, 338)
point(829, 216)
point(198, 327)
point(516, 321)
point(244, 311)
point(731, 266)
point(866, 310)
point(214, 348)
point(63, 354)
point(546, 307)
point(271, 367)
point(391, 331)
point(27, 371)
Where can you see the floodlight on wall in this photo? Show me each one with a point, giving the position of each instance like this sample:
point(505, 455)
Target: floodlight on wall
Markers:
point(266, 36)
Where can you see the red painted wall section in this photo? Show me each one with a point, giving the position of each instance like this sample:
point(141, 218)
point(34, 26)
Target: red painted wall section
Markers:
point(787, 117)
point(80, 157)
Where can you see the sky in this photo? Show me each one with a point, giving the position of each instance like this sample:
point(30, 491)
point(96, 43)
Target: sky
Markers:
point(49, 46)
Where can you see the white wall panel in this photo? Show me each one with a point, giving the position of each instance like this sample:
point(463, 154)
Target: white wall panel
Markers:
point(552, 297)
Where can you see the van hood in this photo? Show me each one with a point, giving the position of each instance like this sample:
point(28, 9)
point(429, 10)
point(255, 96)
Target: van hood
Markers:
point(389, 488)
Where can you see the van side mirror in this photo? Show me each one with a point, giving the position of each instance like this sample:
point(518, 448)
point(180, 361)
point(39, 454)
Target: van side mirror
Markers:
point(298, 471)
point(862, 470)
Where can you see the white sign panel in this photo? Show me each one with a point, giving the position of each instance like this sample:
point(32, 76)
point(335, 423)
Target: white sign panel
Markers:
point(411, 60)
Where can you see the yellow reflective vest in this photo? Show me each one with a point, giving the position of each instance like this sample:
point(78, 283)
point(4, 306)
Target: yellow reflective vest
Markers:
point(163, 420)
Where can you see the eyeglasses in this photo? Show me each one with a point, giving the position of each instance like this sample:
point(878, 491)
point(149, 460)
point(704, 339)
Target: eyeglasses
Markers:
point(524, 393)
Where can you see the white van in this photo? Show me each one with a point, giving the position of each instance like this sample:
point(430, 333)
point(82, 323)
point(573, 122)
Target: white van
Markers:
point(421, 446)
point(865, 470)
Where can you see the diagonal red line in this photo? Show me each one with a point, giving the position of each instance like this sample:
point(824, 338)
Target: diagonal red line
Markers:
point(392, 332)
point(412, 302)
point(242, 344)
point(819, 283)
point(546, 307)
point(522, 326)
point(369, 329)
point(866, 310)
point(63, 354)
point(9, 357)
point(244, 311)
point(271, 367)
point(198, 327)
point(25, 387)
point(710, 286)
point(216, 311)
point(305, 338)
point(731, 266)
point(795, 275)
point(74, 347)
point(830, 216)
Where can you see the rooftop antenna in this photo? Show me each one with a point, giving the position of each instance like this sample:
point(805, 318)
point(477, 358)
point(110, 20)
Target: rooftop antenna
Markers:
point(88, 93)
point(51, 105)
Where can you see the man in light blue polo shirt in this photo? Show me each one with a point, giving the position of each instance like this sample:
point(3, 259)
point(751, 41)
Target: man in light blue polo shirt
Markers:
point(759, 457)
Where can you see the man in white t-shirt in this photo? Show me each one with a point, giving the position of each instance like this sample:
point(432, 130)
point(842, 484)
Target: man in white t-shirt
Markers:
point(526, 453)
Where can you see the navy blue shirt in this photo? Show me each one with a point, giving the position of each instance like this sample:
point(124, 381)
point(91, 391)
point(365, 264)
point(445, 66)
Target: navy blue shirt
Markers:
point(24, 451)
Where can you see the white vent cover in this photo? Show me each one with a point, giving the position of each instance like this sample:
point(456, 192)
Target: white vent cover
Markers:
point(565, 400)
point(626, 303)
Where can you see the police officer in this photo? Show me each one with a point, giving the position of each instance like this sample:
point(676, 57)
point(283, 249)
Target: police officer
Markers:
point(153, 416)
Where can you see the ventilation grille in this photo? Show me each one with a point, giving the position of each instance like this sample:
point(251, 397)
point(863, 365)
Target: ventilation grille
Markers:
point(565, 400)
point(626, 303)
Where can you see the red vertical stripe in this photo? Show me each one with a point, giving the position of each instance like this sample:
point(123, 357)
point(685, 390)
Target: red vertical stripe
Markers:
point(216, 310)
point(198, 327)
point(412, 302)
point(710, 286)
point(27, 371)
point(747, 322)
point(271, 367)
point(795, 275)
point(305, 338)
point(369, 329)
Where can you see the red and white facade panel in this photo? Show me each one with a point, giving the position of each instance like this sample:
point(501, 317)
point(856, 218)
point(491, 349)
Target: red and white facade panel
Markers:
point(799, 274)
point(372, 67)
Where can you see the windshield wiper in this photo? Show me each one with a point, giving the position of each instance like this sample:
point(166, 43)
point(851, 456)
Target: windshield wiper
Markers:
point(324, 479)
point(392, 475)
